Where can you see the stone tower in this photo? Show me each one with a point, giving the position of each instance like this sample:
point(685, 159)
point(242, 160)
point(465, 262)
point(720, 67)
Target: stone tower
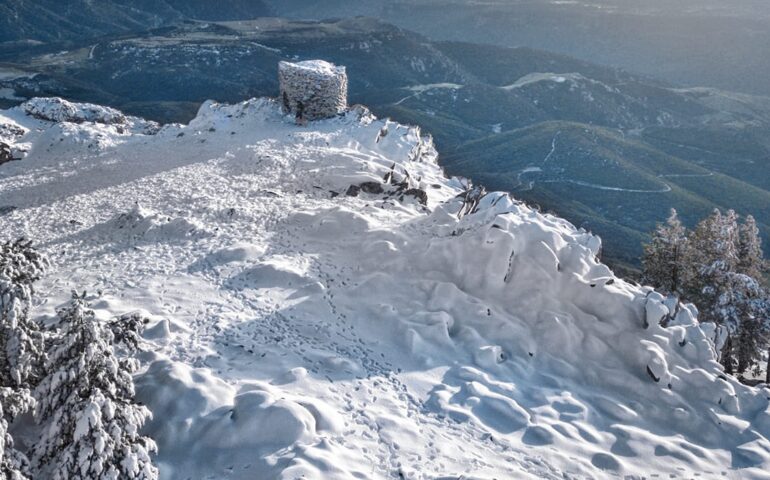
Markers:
point(313, 89)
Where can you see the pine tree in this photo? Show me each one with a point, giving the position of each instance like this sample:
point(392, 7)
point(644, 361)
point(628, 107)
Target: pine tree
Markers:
point(90, 423)
point(13, 464)
point(127, 331)
point(21, 342)
point(750, 257)
point(711, 259)
point(21, 347)
point(663, 261)
point(719, 268)
point(744, 312)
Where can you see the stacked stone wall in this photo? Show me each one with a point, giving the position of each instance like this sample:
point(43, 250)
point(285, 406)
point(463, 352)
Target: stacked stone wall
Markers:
point(313, 89)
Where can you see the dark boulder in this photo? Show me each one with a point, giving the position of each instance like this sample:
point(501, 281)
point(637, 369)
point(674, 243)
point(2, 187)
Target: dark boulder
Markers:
point(5, 153)
point(371, 187)
point(418, 193)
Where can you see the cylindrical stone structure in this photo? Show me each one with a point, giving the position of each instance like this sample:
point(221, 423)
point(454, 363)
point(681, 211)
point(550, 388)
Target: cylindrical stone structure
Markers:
point(313, 89)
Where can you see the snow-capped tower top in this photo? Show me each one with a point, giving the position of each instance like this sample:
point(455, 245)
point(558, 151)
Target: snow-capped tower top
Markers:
point(313, 89)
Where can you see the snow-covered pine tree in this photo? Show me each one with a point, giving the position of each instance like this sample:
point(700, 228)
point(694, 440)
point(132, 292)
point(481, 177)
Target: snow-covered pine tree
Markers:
point(744, 312)
point(663, 260)
point(712, 257)
point(753, 334)
point(754, 331)
point(13, 464)
point(751, 261)
point(127, 331)
point(712, 260)
point(21, 342)
point(21, 346)
point(90, 422)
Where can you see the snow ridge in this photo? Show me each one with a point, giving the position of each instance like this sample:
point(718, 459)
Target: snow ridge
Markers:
point(298, 330)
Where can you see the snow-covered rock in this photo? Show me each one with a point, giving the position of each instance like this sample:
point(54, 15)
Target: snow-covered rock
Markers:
point(303, 333)
point(59, 110)
point(56, 109)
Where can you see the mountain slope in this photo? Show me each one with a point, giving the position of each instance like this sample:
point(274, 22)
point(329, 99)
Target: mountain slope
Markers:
point(297, 331)
point(471, 98)
point(604, 180)
point(690, 42)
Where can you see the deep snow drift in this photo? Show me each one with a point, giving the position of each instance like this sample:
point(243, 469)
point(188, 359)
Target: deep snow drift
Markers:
point(299, 332)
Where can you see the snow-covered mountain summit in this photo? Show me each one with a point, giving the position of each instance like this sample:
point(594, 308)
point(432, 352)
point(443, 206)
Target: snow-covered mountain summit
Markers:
point(325, 303)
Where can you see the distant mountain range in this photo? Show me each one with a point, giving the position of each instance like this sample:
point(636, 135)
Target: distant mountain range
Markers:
point(716, 43)
point(34, 21)
point(609, 150)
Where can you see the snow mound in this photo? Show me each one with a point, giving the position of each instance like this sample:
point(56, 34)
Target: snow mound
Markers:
point(199, 416)
point(304, 330)
point(143, 224)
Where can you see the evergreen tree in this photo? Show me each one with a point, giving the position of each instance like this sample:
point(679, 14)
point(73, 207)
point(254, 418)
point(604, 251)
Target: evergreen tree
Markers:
point(21, 342)
point(663, 261)
point(712, 258)
point(743, 311)
point(21, 347)
point(750, 258)
point(13, 464)
point(753, 331)
point(127, 331)
point(718, 267)
point(90, 423)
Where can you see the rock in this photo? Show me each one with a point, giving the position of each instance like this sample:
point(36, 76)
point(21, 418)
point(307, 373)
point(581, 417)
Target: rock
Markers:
point(471, 199)
point(371, 187)
point(313, 89)
point(353, 191)
point(418, 193)
point(11, 131)
point(5, 153)
point(55, 109)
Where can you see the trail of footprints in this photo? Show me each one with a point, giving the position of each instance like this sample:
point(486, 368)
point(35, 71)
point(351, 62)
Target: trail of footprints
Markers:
point(245, 325)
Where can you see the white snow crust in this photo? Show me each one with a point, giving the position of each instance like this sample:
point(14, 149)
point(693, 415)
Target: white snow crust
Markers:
point(318, 67)
point(297, 332)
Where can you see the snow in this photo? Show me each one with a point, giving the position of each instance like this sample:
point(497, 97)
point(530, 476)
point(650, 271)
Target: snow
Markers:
point(536, 77)
point(431, 86)
point(319, 67)
point(297, 332)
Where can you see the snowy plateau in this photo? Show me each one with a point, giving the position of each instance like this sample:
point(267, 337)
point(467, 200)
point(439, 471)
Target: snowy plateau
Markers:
point(414, 330)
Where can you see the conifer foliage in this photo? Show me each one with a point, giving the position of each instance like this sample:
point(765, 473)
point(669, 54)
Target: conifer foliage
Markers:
point(719, 266)
point(13, 464)
point(664, 254)
point(90, 423)
point(21, 341)
point(80, 390)
point(21, 347)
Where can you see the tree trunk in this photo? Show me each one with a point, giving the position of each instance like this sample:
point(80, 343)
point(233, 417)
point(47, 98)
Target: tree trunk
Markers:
point(727, 355)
